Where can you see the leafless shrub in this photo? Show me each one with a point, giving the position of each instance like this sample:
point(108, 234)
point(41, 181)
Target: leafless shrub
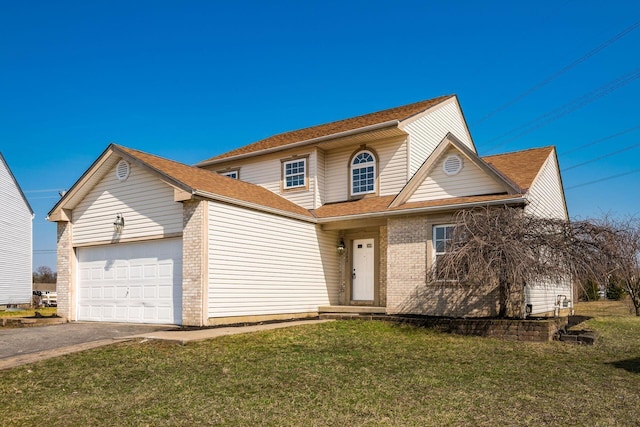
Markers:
point(507, 247)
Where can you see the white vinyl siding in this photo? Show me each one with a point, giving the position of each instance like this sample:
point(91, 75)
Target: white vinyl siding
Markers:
point(264, 264)
point(470, 181)
point(546, 198)
point(266, 171)
point(145, 202)
point(543, 297)
point(427, 131)
point(320, 179)
point(15, 242)
point(392, 172)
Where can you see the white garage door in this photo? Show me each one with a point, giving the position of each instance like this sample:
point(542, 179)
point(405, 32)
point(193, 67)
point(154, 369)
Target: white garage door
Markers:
point(131, 282)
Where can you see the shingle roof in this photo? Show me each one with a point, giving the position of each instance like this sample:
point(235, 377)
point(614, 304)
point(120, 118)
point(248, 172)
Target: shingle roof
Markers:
point(399, 113)
point(521, 167)
point(380, 204)
point(200, 179)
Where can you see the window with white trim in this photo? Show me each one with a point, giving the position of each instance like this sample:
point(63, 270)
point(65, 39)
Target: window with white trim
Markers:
point(231, 174)
point(294, 173)
point(442, 235)
point(363, 173)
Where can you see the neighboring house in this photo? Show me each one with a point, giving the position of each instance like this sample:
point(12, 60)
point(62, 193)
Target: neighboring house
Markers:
point(347, 215)
point(16, 222)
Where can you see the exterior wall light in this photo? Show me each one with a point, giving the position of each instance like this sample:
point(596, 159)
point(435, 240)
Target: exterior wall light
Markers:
point(118, 224)
point(341, 247)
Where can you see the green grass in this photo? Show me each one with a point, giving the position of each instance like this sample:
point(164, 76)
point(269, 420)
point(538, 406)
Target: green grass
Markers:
point(29, 312)
point(343, 373)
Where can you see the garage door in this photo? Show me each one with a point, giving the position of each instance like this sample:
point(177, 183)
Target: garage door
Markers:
point(131, 282)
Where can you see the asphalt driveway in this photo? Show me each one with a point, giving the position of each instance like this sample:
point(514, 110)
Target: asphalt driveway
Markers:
point(25, 345)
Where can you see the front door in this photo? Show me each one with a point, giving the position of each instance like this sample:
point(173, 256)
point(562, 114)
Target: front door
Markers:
point(363, 276)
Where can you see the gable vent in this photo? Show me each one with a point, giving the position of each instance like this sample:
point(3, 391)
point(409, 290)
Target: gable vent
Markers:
point(122, 170)
point(452, 164)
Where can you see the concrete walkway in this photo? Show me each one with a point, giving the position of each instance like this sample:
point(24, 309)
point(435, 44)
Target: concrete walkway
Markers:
point(21, 346)
point(183, 337)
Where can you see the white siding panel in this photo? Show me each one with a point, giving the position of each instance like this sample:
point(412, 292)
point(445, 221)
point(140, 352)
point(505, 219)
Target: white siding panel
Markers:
point(470, 181)
point(546, 198)
point(15, 242)
point(320, 178)
point(427, 131)
point(543, 297)
point(392, 169)
point(262, 264)
point(266, 171)
point(145, 202)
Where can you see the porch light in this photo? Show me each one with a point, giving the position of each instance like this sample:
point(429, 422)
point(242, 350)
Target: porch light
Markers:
point(118, 224)
point(340, 247)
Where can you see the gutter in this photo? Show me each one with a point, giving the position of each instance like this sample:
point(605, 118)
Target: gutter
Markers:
point(399, 212)
point(390, 123)
point(254, 206)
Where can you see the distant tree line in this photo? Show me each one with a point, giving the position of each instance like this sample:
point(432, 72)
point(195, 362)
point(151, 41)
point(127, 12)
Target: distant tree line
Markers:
point(44, 274)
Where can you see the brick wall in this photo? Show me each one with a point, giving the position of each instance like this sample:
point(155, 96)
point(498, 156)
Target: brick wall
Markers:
point(407, 240)
point(409, 257)
point(65, 268)
point(194, 263)
point(383, 267)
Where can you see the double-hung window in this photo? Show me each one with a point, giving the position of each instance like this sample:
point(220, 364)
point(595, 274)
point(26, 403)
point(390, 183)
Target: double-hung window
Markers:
point(442, 235)
point(294, 173)
point(363, 173)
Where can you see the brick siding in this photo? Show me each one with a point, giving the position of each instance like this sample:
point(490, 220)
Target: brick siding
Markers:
point(409, 257)
point(194, 263)
point(65, 267)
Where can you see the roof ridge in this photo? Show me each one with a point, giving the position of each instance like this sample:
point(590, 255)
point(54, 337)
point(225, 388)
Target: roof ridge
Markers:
point(284, 139)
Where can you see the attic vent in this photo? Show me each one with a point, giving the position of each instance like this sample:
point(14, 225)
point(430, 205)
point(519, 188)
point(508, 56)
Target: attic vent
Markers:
point(122, 170)
point(452, 164)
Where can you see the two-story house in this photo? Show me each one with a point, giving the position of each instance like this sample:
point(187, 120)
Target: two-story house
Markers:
point(347, 215)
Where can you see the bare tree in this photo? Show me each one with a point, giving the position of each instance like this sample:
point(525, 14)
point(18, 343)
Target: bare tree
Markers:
point(621, 263)
point(44, 274)
point(506, 247)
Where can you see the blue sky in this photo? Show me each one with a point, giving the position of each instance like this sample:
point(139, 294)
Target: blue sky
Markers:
point(190, 79)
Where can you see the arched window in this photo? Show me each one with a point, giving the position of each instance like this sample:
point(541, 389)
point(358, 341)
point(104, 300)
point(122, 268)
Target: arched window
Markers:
point(363, 173)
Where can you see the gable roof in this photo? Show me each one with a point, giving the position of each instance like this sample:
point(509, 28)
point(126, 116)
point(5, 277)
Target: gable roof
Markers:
point(448, 142)
point(521, 167)
point(190, 179)
point(15, 181)
point(333, 128)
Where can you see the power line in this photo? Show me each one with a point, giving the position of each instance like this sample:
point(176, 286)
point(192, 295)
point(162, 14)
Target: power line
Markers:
point(603, 179)
point(598, 141)
point(561, 72)
point(49, 190)
point(604, 156)
point(567, 108)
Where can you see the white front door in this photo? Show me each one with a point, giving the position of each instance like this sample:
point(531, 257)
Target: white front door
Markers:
point(363, 277)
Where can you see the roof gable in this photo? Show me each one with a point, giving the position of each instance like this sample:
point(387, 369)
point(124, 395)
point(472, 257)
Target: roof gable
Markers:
point(332, 129)
point(521, 167)
point(18, 189)
point(188, 180)
point(474, 179)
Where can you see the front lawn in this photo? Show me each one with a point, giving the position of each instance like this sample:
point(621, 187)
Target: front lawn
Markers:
point(29, 312)
point(342, 373)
